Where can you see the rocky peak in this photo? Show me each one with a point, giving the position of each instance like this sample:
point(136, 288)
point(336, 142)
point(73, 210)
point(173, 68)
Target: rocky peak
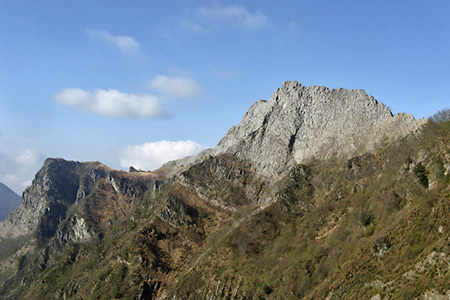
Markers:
point(45, 202)
point(60, 184)
point(299, 123)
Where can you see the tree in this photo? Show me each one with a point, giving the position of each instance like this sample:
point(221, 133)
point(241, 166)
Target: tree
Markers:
point(441, 116)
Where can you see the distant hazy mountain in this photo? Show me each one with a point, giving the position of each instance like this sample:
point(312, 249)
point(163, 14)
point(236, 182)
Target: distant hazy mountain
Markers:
point(9, 201)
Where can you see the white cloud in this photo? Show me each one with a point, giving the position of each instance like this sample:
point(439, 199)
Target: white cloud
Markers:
point(292, 25)
point(10, 179)
point(18, 167)
point(16, 183)
point(227, 74)
point(176, 87)
point(126, 44)
point(27, 157)
point(26, 183)
point(112, 103)
point(233, 15)
point(150, 156)
point(192, 26)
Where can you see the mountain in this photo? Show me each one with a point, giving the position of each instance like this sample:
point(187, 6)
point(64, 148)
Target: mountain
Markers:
point(8, 201)
point(299, 123)
point(61, 184)
point(315, 194)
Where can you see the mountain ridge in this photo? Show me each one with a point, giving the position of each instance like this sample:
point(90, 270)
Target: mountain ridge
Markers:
point(56, 187)
point(286, 143)
point(297, 124)
point(198, 227)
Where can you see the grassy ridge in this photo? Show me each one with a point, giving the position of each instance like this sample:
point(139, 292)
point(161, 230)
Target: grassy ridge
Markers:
point(375, 224)
point(338, 229)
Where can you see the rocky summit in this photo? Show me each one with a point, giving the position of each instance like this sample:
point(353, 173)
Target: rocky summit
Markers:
point(299, 123)
point(58, 186)
point(316, 194)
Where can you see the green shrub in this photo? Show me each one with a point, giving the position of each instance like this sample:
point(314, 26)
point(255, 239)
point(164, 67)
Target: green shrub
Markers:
point(10, 246)
point(421, 174)
point(409, 292)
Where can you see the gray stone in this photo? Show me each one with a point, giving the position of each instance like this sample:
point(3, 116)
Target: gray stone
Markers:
point(59, 185)
point(300, 123)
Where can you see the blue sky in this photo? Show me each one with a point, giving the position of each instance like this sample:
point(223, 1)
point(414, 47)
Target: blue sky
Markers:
point(140, 82)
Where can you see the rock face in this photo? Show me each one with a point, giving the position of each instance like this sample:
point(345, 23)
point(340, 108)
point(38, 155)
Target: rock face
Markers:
point(299, 123)
point(8, 201)
point(54, 189)
point(59, 185)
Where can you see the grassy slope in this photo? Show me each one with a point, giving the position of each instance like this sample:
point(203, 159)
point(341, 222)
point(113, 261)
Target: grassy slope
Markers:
point(343, 230)
point(376, 224)
point(142, 248)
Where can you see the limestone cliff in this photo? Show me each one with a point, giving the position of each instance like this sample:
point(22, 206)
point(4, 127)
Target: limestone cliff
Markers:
point(299, 123)
point(59, 185)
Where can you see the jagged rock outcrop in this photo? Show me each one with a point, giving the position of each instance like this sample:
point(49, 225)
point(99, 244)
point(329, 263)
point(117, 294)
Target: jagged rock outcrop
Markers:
point(59, 185)
point(299, 123)
point(54, 188)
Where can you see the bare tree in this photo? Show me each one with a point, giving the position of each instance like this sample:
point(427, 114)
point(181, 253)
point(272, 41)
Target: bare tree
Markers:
point(441, 116)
